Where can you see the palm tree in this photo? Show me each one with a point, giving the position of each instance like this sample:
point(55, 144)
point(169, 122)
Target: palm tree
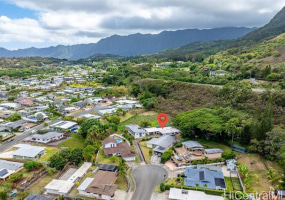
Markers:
point(205, 186)
point(197, 185)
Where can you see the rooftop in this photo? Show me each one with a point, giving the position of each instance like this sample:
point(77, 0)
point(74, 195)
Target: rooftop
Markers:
point(27, 150)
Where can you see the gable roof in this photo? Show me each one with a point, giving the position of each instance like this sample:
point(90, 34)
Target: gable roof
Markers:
point(164, 141)
point(123, 148)
point(103, 183)
point(109, 140)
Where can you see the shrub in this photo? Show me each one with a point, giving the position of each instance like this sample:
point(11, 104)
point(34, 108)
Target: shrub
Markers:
point(166, 156)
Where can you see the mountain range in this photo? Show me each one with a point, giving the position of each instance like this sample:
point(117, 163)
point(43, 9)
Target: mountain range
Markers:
point(132, 45)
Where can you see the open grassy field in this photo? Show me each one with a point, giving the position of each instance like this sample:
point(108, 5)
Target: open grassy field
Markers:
point(145, 151)
point(76, 141)
point(258, 168)
point(49, 152)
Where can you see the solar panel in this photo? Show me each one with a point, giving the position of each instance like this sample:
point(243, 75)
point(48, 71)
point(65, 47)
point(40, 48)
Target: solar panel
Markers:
point(220, 182)
point(202, 175)
point(3, 172)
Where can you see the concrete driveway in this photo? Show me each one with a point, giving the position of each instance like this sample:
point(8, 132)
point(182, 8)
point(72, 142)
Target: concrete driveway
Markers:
point(146, 178)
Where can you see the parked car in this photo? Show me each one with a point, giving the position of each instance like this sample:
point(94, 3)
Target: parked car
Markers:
point(10, 140)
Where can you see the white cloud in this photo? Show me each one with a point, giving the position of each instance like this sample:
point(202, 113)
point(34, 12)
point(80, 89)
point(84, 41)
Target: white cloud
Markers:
point(85, 21)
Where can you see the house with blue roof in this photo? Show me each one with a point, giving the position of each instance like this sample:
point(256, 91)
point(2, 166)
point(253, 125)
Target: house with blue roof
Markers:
point(205, 178)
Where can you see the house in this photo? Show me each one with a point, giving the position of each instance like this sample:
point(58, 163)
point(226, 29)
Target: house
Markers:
point(25, 101)
point(205, 178)
point(66, 182)
point(90, 116)
point(135, 130)
point(102, 186)
point(115, 147)
point(34, 118)
point(80, 104)
point(7, 168)
point(10, 106)
point(28, 152)
point(47, 137)
point(6, 113)
point(193, 147)
point(109, 111)
point(196, 150)
point(16, 125)
point(64, 125)
point(36, 94)
point(161, 144)
point(39, 197)
point(94, 100)
point(181, 194)
point(168, 130)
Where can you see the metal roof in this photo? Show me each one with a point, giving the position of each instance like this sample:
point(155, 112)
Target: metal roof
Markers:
point(28, 151)
point(46, 136)
point(85, 183)
point(192, 144)
point(12, 166)
point(213, 151)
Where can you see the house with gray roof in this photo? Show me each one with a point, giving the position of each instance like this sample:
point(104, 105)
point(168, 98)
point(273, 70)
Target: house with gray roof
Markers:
point(47, 137)
point(28, 152)
point(161, 144)
point(205, 178)
point(135, 130)
point(8, 167)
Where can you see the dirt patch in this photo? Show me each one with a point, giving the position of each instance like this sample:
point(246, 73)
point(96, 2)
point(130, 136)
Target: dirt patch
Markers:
point(253, 163)
point(149, 113)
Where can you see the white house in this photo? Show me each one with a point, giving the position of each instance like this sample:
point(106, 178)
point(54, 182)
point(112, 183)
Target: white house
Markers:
point(47, 137)
point(135, 130)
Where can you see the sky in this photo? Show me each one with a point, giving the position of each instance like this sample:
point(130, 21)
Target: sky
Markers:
point(43, 23)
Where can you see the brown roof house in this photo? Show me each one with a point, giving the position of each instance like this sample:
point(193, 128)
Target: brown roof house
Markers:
point(115, 147)
point(102, 186)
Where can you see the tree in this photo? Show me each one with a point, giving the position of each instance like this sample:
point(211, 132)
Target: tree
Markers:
point(266, 122)
point(50, 170)
point(11, 98)
point(232, 128)
point(15, 177)
point(272, 176)
point(29, 165)
point(88, 152)
point(205, 186)
point(197, 185)
point(75, 156)
point(14, 117)
point(40, 117)
point(166, 156)
point(86, 125)
point(122, 168)
point(4, 194)
point(243, 170)
point(144, 124)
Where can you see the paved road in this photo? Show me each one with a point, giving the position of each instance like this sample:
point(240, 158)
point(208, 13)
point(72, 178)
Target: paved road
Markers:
point(25, 134)
point(146, 178)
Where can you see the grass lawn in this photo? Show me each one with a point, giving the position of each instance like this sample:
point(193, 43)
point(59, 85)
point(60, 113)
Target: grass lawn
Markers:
point(257, 168)
point(229, 184)
point(145, 151)
point(76, 141)
point(122, 183)
point(49, 152)
point(40, 184)
point(102, 159)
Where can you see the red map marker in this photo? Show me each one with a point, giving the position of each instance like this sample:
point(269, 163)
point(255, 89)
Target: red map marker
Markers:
point(162, 119)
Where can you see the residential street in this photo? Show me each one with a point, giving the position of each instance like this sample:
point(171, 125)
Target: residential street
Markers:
point(25, 134)
point(146, 178)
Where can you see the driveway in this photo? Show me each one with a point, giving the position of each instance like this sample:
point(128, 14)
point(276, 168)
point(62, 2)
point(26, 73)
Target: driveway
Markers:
point(146, 178)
